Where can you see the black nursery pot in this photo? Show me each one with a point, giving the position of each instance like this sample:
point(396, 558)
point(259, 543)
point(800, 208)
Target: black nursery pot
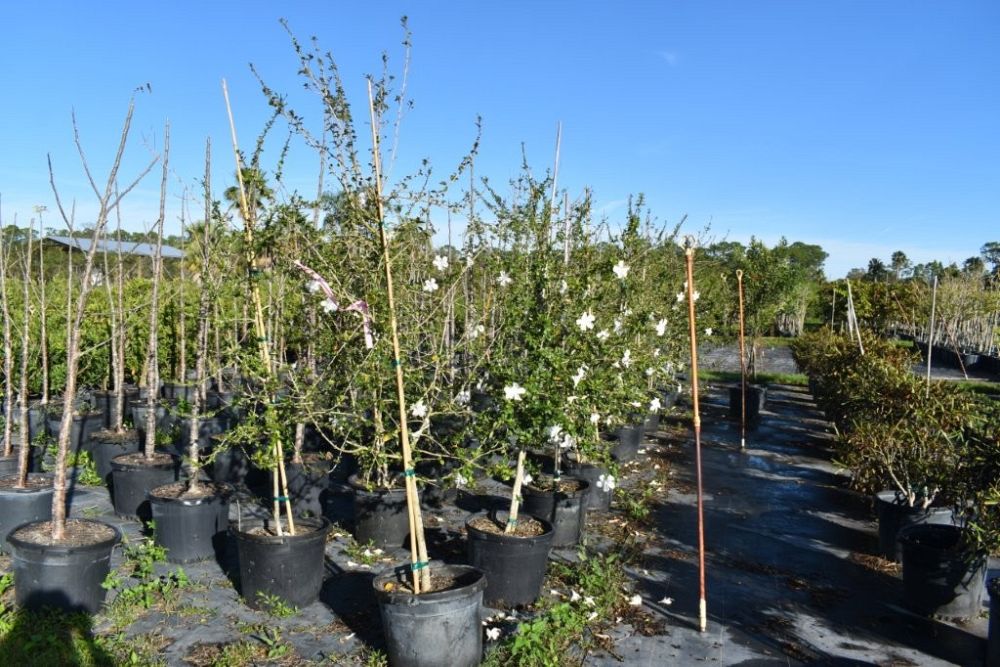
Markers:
point(939, 577)
point(105, 448)
point(756, 399)
point(20, 506)
point(132, 483)
point(306, 483)
point(433, 629)
point(380, 516)
point(514, 566)
point(567, 512)
point(895, 516)
point(289, 567)
point(993, 643)
point(191, 529)
point(82, 427)
point(8, 464)
point(597, 498)
point(62, 576)
point(627, 447)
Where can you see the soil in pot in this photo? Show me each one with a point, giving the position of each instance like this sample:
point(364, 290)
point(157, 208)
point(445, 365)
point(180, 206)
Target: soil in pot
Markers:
point(289, 567)
point(940, 578)
point(894, 515)
point(133, 476)
point(380, 515)
point(562, 503)
point(600, 493)
point(20, 506)
point(442, 626)
point(106, 445)
point(67, 574)
point(191, 526)
point(514, 564)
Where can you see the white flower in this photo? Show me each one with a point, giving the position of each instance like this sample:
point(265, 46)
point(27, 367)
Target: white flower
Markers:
point(591, 616)
point(680, 297)
point(595, 418)
point(618, 325)
point(555, 433)
point(430, 285)
point(377, 552)
point(460, 480)
point(563, 287)
point(574, 596)
point(606, 483)
point(477, 332)
point(503, 280)
point(656, 352)
point(572, 399)
point(589, 601)
point(666, 601)
point(492, 634)
point(655, 405)
point(635, 601)
point(441, 262)
point(329, 306)
point(649, 372)
point(586, 321)
point(367, 553)
point(419, 409)
point(627, 358)
point(313, 286)
point(514, 392)
point(567, 442)
point(463, 397)
point(526, 478)
point(620, 269)
point(708, 331)
point(661, 326)
point(696, 295)
point(603, 334)
point(581, 372)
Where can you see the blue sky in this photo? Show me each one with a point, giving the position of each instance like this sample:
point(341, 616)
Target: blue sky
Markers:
point(865, 126)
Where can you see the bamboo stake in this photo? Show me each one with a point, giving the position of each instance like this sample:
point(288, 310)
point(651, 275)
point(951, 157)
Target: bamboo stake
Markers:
point(702, 604)
point(24, 421)
point(418, 546)
point(279, 479)
point(743, 366)
point(930, 336)
point(515, 498)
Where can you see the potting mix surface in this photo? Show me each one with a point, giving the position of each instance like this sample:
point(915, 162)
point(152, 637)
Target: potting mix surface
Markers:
point(792, 578)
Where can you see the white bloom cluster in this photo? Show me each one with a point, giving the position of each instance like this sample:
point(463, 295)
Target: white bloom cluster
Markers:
point(620, 269)
point(441, 262)
point(514, 392)
point(419, 409)
point(504, 279)
point(586, 321)
point(430, 285)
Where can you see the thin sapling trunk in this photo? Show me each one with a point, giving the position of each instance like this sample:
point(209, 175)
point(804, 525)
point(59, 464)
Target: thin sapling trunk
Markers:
point(24, 419)
point(154, 319)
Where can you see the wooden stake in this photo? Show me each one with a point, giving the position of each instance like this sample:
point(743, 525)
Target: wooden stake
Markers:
point(418, 546)
point(702, 604)
point(930, 335)
point(515, 498)
point(743, 366)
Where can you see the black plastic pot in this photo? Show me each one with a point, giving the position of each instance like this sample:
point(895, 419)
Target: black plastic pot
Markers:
point(894, 515)
point(103, 449)
point(993, 643)
point(132, 483)
point(208, 428)
point(20, 506)
point(597, 498)
point(138, 409)
point(231, 465)
point(567, 512)
point(433, 629)
point(82, 428)
point(191, 529)
point(627, 447)
point(8, 465)
point(756, 399)
point(107, 402)
point(306, 482)
point(651, 425)
point(939, 577)
point(61, 576)
point(380, 516)
point(514, 566)
point(289, 567)
point(176, 391)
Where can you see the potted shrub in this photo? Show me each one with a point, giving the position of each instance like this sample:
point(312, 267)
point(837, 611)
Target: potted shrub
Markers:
point(63, 562)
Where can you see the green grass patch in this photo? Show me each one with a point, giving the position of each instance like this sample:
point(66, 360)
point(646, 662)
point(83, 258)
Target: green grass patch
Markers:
point(991, 389)
point(796, 379)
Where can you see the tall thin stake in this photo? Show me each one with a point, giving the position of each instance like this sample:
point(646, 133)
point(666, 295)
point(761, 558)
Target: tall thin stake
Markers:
point(930, 335)
point(743, 365)
point(280, 480)
point(515, 498)
point(702, 605)
point(418, 547)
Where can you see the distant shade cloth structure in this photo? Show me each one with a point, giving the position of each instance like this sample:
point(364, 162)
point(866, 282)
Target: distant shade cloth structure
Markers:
point(125, 247)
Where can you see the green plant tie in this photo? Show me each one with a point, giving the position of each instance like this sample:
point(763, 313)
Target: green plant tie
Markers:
point(511, 522)
point(281, 499)
point(261, 339)
point(410, 472)
point(418, 565)
point(395, 363)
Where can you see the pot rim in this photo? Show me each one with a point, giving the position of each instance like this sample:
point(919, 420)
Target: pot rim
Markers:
point(64, 549)
point(404, 597)
point(321, 525)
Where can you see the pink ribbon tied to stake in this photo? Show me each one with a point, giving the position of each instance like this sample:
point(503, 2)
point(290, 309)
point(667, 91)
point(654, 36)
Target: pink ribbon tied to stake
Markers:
point(359, 306)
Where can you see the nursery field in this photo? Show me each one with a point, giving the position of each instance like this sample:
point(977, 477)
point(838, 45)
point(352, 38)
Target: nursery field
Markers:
point(793, 571)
